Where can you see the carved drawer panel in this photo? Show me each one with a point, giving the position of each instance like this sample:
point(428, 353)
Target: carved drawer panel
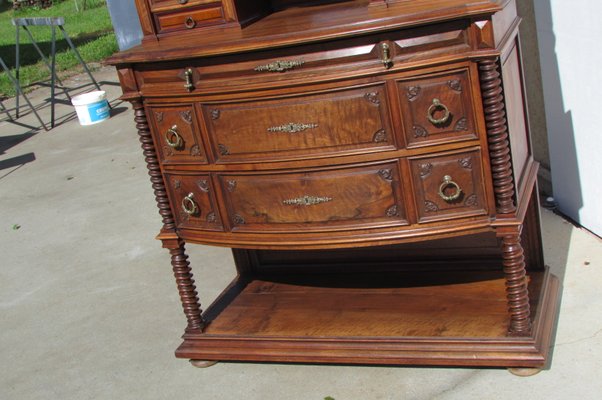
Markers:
point(448, 186)
point(190, 18)
point(437, 109)
point(356, 197)
point(344, 121)
point(175, 129)
point(193, 201)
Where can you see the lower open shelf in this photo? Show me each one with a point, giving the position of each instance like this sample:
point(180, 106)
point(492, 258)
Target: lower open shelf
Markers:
point(443, 318)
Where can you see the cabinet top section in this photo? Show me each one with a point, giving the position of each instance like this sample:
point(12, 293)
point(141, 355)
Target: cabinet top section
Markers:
point(306, 24)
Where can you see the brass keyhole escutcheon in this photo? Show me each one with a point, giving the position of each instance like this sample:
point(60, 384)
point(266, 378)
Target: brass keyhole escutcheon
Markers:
point(189, 23)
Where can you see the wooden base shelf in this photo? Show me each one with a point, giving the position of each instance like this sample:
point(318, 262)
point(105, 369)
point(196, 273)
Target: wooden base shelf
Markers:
point(390, 318)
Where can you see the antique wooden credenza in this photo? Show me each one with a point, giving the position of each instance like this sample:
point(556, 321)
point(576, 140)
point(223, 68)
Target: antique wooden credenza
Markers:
point(369, 164)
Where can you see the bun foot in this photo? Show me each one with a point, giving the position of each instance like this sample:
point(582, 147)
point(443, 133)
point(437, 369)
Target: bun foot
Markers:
point(524, 372)
point(202, 363)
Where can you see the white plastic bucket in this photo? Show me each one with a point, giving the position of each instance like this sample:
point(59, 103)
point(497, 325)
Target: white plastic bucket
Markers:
point(91, 108)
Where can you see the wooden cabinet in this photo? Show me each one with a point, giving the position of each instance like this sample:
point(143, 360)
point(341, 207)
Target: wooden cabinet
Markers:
point(368, 162)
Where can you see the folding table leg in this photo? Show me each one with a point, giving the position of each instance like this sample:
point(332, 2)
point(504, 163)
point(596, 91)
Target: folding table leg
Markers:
point(20, 92)
point(17, 66)
point(45, 60)
point(52, 76)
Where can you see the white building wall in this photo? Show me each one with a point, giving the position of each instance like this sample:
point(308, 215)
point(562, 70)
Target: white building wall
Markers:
point(570, 41)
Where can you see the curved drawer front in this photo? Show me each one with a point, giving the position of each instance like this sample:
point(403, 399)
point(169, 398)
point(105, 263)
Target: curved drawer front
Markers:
point(437, 109)
point(448, 186)
point(193, 201)
point(344, 121)
point(175, 129)
point(363, 196)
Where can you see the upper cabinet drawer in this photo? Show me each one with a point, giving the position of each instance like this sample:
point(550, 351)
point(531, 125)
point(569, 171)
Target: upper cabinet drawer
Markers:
point(158, 5)
point(437, 109)
point(334, 199)
point(299, 65)
point(176, 134)
point(190, 18)
point(345, 121)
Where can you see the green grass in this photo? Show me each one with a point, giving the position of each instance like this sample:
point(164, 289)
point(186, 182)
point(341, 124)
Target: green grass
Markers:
point(91, 31)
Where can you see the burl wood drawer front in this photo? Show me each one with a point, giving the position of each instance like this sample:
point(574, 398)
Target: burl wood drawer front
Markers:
point(366, 196)
point(193, 201)
point(345, 121)
point(448, 186)
point(175, 129)
point(437, 109)
point(190, 18)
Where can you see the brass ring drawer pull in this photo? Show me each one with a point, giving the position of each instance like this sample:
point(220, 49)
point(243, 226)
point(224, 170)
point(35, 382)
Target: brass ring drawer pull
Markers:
point(292, 127)
point(173, 138)
point(189, 23)
point(447, 181)
point(436, 106)
point(279, 66)
point(386, 55)
point(188, 204)
point(306, 201)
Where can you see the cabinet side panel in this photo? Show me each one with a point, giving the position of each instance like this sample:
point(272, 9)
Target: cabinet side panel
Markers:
point(517, 120)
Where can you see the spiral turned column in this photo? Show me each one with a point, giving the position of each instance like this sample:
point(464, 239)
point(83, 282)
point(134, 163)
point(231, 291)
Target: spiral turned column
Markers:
point(179, 259)
point(152, 163)
point(186, 287)
point(497, 136)
point(516, 285)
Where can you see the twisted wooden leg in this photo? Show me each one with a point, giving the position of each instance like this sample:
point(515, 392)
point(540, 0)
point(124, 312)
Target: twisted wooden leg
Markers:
point(186, 287)
point(516, 285)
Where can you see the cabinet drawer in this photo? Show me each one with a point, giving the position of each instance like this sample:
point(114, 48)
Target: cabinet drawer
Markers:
point(176, 134)
point(345, 121)
point(448, 186)
point(193, 201)
point(355, 197)
point(298, 65)
point(190, 18)
point(437, 109)
point(159, 5)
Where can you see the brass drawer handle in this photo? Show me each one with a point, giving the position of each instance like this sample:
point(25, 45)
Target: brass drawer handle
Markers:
point(188, 204)
point(173, 138)
point(386, 55)
point(306, 201)
point(188, 77)
point(279, 66)
point(189, 23)
point(182, 1)
point(447, 181)
point(437, 105)
point(292, 127)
